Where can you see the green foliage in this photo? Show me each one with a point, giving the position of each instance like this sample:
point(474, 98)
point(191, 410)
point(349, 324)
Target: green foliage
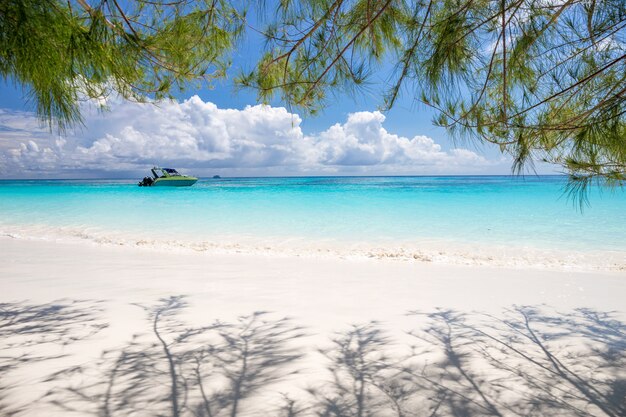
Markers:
point(544, 80)
point(65, 51)
point(317, 46)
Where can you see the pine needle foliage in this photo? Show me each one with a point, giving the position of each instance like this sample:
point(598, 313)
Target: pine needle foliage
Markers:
point(542, 79)
point(65, 51)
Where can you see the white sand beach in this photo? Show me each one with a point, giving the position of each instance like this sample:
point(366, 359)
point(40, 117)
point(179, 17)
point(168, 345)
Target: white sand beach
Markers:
point(429, 338)
point(312, 208)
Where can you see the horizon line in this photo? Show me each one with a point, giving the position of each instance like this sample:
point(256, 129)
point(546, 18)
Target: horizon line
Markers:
point(298, 176)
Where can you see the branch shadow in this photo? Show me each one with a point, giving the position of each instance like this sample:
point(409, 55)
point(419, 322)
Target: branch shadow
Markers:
point(364, 377)
point(34, 333)
point(524, 362)
point(179, 370)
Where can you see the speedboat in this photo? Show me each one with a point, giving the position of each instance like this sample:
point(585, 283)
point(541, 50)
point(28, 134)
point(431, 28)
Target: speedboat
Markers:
point(167, 177)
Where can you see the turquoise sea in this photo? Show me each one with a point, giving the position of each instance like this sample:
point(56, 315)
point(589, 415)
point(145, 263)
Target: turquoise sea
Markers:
point(526, 211)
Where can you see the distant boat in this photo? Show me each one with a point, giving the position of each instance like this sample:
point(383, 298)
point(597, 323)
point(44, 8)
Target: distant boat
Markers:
point(167, 177)
point(216, 177)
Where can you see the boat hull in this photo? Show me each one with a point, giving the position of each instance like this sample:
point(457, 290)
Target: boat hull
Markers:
point(174, 182)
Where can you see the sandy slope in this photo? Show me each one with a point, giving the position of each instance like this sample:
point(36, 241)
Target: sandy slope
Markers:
point(322, 297)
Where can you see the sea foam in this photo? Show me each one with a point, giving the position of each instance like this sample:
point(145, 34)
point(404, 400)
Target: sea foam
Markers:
point(437, 252)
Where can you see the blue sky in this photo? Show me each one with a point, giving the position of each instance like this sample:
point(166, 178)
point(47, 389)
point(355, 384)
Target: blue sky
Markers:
point(349, 137)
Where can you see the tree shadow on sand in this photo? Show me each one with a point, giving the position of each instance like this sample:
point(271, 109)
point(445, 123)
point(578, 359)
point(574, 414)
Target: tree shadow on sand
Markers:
point(531, 363)
point(179, 370)
point(34, 333)
point(526, 361)
point(522, 363)
point(365, 378)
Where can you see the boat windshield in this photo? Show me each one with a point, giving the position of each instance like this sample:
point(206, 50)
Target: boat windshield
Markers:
point(171, 172)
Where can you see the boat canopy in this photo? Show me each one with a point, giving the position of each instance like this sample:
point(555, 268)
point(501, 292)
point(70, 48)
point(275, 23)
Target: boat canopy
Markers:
point(165, 172)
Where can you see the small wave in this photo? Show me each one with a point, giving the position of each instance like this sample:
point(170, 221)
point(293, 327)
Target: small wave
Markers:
point(439, 252)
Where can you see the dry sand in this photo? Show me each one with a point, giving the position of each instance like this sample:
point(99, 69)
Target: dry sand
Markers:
point(499, 341)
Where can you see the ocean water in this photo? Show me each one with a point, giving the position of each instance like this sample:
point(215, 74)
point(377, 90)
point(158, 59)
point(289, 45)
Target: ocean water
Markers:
point(529, 213)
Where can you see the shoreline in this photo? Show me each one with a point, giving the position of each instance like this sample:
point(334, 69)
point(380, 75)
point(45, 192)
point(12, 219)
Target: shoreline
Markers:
point(439, 252)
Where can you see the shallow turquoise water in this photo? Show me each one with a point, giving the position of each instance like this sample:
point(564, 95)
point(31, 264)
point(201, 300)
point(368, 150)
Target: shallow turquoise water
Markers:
point(531, 211)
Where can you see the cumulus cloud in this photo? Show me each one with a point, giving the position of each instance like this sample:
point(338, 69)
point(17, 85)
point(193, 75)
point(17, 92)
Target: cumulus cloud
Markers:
point(199, 136)
point(363, 141)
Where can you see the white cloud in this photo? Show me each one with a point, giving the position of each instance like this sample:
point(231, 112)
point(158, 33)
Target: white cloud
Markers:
point(199, 136)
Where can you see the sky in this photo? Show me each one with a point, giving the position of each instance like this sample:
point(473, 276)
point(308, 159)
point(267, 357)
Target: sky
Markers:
point(220, 131)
